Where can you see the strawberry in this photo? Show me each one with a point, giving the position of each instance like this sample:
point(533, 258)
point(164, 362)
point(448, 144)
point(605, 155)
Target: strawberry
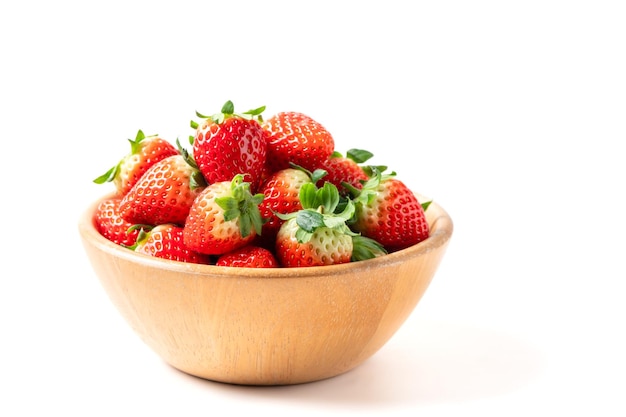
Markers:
point(227, 144)
point(165, 192)
point(111, 225)
point(388, 212)
point(281, 192)
point(316, 235)
point(145, 151)
point(297, 138)
point(223, 217)
point(166, 241)
point(249, 256)
point(346, 169)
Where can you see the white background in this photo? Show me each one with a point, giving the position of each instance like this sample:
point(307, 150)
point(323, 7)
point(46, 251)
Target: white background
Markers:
point(510, 114)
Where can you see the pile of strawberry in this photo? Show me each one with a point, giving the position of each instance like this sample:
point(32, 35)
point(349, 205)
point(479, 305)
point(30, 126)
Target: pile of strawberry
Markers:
point(256, 193)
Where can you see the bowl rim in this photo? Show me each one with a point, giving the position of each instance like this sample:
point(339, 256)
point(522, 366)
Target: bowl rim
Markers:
point(441, 228)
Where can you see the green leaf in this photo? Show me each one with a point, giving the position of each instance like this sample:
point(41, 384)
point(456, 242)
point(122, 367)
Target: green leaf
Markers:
point(107, 176)
point(245, 225)
point(348, 211)
point(308, 196)
point(302, 236)
point(365, 248)
point(371, 169)
point(317, 175)
point(328, 197)
point(309, 220)
point(258, 198)
point(197, 180)
point(226, 203)
point(254, 214)
point(255, 112)
point(228, 108)
point(334, 222)
point(426, 205)
point(359, 155)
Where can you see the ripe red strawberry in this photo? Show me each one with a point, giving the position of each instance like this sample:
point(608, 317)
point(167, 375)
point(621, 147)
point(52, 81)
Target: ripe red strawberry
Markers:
point(346, 169)
point(315, 235)
point(164, 194)
point(281, 192)
point(223, 217)
point(227, 144)
point(297, 138)
point(145, 151)
point(111, 225)
point(249, 256)
point(388, 212)
point(166, 241)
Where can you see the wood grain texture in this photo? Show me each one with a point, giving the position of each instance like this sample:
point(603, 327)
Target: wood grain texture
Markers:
point(266, 326)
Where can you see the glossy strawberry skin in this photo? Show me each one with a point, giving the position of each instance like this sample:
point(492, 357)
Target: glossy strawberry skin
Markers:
point(111, 225)
point(297, 138)
point(281, 191)
point(163, 195)
point(234, 146)
point(166, 241)
point(249, 256)
point(394, 218)
point(326, 247)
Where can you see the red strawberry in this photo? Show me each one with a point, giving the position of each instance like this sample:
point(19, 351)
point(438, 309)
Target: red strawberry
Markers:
point(227, 144)
point(145, 151)
point(166, 241)
point(297, 138)
point(224, 217)
point(281, 192)
point(346, 169)
point(315, 235)
point(111, 225)
point(388, 212)
point(249, 256)
point(164, 194)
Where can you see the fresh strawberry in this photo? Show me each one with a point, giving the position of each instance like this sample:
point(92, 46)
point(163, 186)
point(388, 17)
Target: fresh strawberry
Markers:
point(346, 169)
point(145, 151)
point(281, 192)
point(316, 235)
point(249, 256)
point(166, 241)
point(297, 138)
point(111, 225)
point(165, 192)
point(223, 217)
point(227, 144)
point(389, 212)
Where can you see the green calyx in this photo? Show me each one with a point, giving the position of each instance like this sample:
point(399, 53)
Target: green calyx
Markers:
point(142, 236)
point(242, 205)
point(368, 192)
point(228, 111)
point(318, 210)
point(196, 179)
point(365, 248)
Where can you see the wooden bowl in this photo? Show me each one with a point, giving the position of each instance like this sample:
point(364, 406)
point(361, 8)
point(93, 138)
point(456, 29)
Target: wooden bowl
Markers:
point(266, 326)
